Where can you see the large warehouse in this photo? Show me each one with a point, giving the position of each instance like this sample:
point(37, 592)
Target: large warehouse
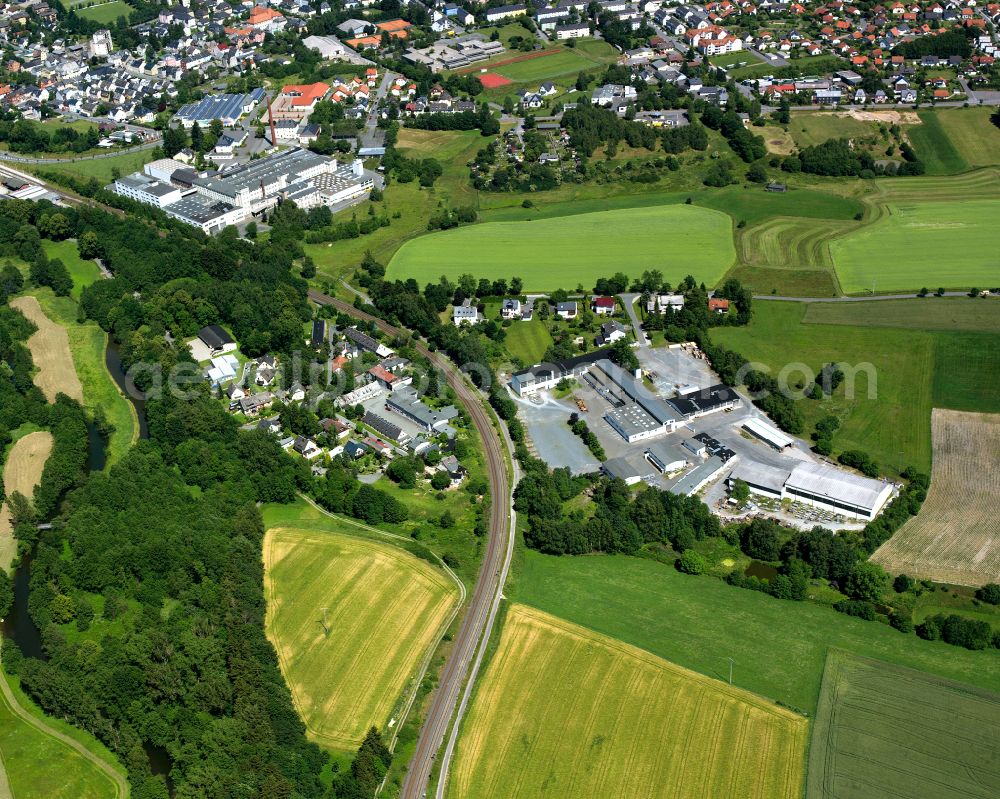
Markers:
point(817, 484)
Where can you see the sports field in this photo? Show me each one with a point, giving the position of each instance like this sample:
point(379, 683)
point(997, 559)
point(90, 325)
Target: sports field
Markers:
point(883, 732)
point(22, 472)
point(928, 313)
point(528, 341)
point(49, 346)
point(956, 536)
point(105, 13)
point(352, 621)
point(564, 711)
point(563, 251)
point(779, 647)
point(934, 243)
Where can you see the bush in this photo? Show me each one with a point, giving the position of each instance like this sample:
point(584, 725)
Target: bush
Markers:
point(990, 594)
point(691, 562)
point(859, 608)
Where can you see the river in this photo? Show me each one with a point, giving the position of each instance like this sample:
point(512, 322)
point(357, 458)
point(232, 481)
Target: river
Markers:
point(113, 361)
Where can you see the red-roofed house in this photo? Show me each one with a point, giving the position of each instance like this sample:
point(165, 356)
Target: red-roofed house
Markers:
point(603, 305)
point(298, 101)
point(266, 19)
point(718, 305)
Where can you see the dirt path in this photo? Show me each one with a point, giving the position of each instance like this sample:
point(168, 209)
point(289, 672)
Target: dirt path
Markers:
point(50, 351)
point(22, 472)
point(5, 791)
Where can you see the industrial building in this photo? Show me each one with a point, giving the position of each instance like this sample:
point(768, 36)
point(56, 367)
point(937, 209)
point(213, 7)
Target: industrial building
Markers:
point(407, 403)
point(227, 108)
point(698, 402)
point(817, 484)
point(664, 458)
point(698, 477)
point(544, 376)
point(212, 201)
point(768, 433)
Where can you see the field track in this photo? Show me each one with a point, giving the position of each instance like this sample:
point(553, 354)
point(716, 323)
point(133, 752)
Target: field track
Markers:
point(50, 351)
point(383, 610)
point(564, 711)
point(883, 732)
point(482, 608)
point(22, 472)
point(956, 536)
point(514, 60)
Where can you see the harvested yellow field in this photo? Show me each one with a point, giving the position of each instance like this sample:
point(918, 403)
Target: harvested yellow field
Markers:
point(956, 536)
point(566, 712)
point(22, 473)
point(353, 622)
point(49, 347)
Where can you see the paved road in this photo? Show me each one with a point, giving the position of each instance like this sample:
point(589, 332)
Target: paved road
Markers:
point(872, 298)
point(371, 136)
point(629, 300)
point(120, 783)
point(473, 634)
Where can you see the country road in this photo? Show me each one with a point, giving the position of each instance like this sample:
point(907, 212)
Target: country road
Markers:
point(120, 783)
point(473, 634)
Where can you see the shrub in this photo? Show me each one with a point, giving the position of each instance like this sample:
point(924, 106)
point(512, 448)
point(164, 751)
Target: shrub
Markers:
point(691, 562)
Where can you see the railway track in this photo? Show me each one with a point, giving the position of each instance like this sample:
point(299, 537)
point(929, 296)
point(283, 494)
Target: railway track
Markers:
point(454, 688)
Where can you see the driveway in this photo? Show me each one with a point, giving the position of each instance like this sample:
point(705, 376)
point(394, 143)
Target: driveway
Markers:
point(629, 300)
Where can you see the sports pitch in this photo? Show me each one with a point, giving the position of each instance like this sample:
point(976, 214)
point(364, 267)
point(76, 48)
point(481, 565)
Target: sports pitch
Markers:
point(562, 252)
point(883, 731)
point(564, 711)
point(351, 620)
point(922, 244)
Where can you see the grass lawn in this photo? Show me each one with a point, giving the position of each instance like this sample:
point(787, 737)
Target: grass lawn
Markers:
point(935, 147)
point(810, 129)
point(100, 169)
point(528, 341)
point(563, 711)
point(894, 424)
point(352, 620)
point(975, 138)
point(565, 251)
point(860, 750)
point(83, 272)
point(105, 13)
point(87, 344)
point(39, 766)
point(786, 282)
point(779, 647)
point(941, 243)
point(738, 59)
point(928, 313)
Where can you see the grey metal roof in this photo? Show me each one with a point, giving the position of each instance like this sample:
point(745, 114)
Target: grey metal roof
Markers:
point(694, 479)
point(761, 475)
point(837, 485)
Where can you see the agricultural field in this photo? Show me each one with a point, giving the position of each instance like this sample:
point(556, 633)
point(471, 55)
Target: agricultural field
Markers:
point(971, 133)
point(945, 244)
point(889, 415)
point(352, 620)
point(35, 765)
point(934, 146)
point(779, 647)
point(565, 711)
point(83, 272)
point(50, 351)
point(928, 313)
point(809, 129)
point(788, 282)
point(956, 536)
point(566, 251)
point(883, 731)
point(528, 341)
point(22, 472)
point(84, 369)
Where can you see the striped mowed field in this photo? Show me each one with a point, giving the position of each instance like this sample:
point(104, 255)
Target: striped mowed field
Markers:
point(49, 346)
point(384, 610)
point(565, 711)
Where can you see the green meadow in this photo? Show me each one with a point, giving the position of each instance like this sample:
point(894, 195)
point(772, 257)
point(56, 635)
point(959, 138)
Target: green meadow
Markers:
point(567, 251)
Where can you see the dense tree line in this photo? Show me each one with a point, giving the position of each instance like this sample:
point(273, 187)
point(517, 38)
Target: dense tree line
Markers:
point(340, 492)
point(481, 120)
point(745, 144)
point(25, 136)
point(944, 44)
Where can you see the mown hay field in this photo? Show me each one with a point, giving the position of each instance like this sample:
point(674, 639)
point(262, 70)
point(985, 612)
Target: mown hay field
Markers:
point(22, 472)
point(922, 244)
point(564, 251)
point(565, 711)
point(956, 536)
point(927, 313)
point(970, 131)
point(883, 731)
point(384, 610)
point(50, 351)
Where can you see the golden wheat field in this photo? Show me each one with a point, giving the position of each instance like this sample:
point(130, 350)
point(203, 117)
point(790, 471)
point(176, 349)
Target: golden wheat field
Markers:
point(22, 472)
point(384, 610)
point(49, 347)
point(566, 712)
point(956, 536)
